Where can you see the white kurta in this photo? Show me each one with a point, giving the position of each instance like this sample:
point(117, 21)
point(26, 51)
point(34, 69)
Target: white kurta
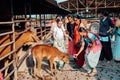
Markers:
point(60, 37)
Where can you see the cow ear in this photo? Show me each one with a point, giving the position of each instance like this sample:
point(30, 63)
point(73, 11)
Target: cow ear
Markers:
point(63, 56)
point(66, 55)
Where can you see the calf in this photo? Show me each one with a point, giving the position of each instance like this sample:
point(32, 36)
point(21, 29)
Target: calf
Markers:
point(51, 53)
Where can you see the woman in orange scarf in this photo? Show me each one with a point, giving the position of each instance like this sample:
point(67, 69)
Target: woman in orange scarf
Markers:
point(80, 59)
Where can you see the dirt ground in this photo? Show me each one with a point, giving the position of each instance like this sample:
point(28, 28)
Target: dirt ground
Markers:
point(106, 71)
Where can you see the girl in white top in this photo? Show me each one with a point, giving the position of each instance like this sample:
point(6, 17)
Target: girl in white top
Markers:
point(58, 35)
point(54, 25)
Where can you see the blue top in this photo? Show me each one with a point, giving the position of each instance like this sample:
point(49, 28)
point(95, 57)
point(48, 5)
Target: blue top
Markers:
point(90, 35)
point(118, 31)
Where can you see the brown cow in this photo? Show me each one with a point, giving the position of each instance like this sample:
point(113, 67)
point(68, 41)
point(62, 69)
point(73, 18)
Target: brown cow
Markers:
point(25, 38)
point(51, 53)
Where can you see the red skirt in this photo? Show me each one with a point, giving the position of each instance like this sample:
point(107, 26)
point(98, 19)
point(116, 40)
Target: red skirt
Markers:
point(71, 49)
point(81, 59)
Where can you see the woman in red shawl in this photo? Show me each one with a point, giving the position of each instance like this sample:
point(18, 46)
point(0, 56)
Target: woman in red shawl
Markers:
point(80, 59)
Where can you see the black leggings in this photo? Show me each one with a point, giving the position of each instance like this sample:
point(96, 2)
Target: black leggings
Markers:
point(106, 52)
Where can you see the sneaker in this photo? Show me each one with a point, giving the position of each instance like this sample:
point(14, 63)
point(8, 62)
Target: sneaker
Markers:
point(92, 72)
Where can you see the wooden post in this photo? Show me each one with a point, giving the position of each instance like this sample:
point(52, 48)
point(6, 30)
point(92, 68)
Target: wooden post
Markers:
point(14, 64)
point(13, 29)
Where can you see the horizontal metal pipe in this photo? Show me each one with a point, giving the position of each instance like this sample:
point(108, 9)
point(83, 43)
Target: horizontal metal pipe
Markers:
point(8, 22)
point(7, 55)
point(6, 44)
point(2, 34)
point(11, 52)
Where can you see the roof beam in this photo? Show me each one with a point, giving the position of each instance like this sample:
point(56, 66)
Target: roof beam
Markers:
point(64, 6)
point(90, 8)
point(68, 4)
point(91, 2)
point(82, 3)
point(73, 5)
point(109, 3)
point(77, 5)
point(99, 3)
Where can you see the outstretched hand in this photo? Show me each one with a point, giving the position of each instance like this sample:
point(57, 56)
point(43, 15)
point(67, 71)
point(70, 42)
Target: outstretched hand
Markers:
point(75, 55)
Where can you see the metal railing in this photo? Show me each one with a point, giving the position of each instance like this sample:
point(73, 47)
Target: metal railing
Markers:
point(14, 49)
point(11, 43)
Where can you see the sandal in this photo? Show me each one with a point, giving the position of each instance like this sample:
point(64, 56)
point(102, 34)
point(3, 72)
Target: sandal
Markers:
point(92, 74)
point(89, 71)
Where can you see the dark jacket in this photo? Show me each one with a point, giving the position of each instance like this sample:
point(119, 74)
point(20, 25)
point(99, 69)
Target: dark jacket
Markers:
point(70, 29)
point(105, 26)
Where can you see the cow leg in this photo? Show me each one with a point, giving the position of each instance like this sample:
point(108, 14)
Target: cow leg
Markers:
point(55, 68)
point(34, 59)
point(39, 59)
point(18, 54)
point(51, 66)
